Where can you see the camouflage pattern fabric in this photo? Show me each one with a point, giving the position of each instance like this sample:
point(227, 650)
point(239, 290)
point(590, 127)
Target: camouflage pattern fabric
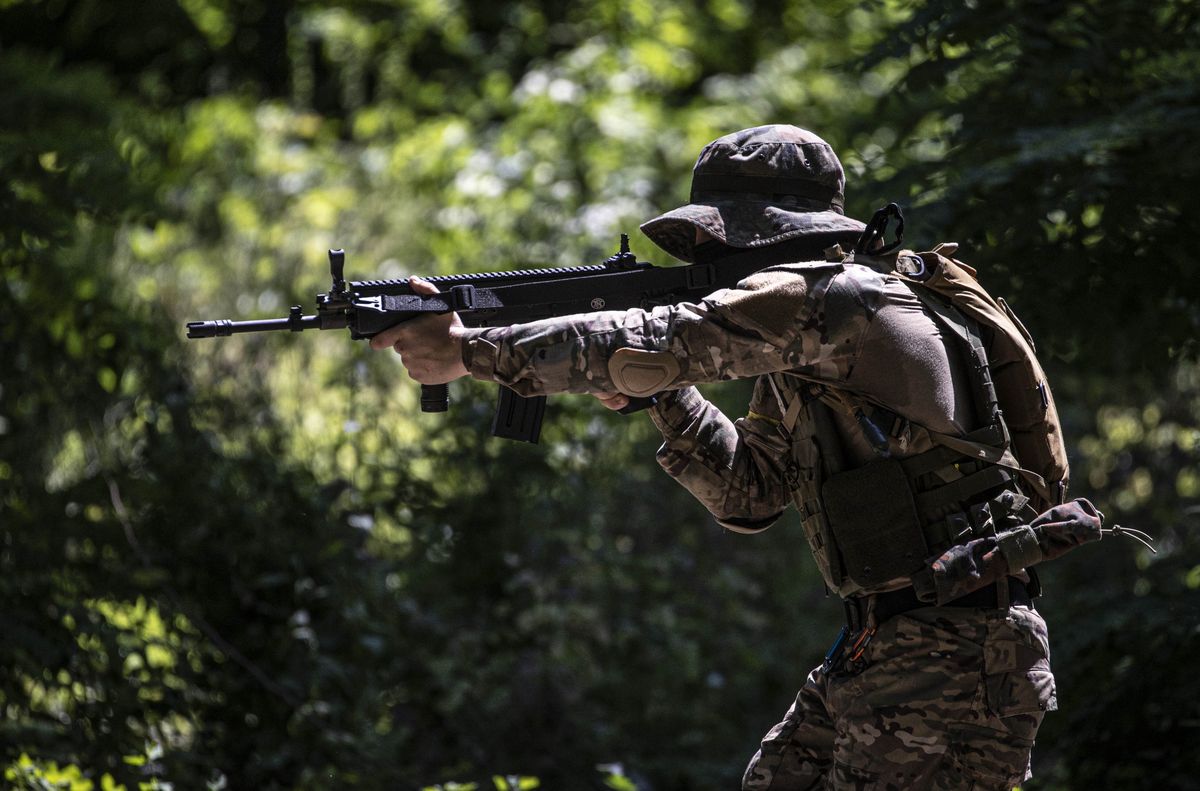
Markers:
point(1065, 527)
point(967, 567)
point(739, 471)
point(946, 698)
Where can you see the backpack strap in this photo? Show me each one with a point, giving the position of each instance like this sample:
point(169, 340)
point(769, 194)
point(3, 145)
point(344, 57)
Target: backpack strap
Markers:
point(789, 410)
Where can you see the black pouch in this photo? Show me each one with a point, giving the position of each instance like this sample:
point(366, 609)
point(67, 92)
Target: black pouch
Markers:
point(874, 522)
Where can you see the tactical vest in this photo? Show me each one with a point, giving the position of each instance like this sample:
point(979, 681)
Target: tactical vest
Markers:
point(877, 526)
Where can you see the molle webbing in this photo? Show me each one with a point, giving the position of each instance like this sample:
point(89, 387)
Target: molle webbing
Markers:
point(869, 525)
point(885, 523)
point(957, 493)
point(816, 454)
point(931, 460)
point(980, 448)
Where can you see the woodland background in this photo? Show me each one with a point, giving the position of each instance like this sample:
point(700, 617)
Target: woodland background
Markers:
point(253, 563)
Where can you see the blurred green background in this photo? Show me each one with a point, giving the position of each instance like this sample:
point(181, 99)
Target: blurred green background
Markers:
point(253, 563)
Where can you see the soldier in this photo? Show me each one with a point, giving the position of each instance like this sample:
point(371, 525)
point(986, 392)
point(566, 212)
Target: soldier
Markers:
point(875, 413)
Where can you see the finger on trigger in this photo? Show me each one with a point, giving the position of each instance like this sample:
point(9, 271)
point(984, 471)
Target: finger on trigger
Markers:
point(385, 339)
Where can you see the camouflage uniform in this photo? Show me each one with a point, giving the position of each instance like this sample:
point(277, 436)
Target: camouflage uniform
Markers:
point(947, 699)
point(943, 697)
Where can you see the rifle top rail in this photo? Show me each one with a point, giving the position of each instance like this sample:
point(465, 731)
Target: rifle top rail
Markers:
point(374, 287)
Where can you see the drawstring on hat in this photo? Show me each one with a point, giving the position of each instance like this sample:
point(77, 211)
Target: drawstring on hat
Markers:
point(876, 231)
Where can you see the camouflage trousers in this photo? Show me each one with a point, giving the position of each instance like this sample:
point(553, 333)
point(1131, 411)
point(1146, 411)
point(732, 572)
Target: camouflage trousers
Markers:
point(945, 698)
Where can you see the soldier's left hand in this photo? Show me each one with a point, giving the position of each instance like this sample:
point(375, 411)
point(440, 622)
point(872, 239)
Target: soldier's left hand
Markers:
point(430, 347)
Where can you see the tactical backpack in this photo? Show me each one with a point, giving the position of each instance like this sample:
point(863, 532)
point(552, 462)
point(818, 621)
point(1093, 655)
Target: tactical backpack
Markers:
point(1029, 415)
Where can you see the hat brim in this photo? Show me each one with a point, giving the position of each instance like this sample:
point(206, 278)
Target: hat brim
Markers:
point(741, 224)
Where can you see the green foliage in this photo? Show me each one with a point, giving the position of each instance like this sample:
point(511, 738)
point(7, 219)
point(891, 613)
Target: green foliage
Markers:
point(1141, 619)
point(255, 564)
point(24, 774)
point(1056, 140)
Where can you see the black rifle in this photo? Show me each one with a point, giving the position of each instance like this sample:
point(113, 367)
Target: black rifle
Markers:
point(490, 299)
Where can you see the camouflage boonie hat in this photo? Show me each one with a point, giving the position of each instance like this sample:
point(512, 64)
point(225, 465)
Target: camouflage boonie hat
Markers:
point(757, 187)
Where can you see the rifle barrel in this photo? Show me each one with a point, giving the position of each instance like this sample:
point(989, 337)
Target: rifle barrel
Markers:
point(222, 327)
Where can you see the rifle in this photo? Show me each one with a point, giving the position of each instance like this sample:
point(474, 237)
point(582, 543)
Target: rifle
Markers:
point(490, 299)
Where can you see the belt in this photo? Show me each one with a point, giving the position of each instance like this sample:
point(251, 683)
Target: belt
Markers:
point(845, 656)
point(893, 603)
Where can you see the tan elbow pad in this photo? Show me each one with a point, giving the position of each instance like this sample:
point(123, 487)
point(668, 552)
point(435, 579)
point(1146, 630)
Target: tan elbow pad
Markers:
point(639, 372)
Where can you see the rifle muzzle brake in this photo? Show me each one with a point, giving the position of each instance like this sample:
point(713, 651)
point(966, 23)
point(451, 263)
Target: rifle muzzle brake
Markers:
point(209, 329)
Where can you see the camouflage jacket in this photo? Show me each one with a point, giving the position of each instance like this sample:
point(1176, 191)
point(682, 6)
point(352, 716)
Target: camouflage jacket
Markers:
point(844, 325)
